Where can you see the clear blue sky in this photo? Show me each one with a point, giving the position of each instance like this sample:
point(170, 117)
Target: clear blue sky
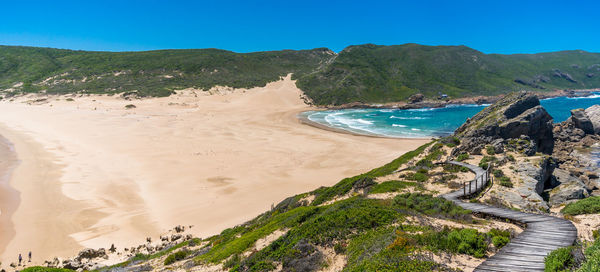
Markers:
point(244, 26)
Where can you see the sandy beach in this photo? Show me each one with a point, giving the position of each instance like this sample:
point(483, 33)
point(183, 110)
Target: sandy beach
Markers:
point(91, 172)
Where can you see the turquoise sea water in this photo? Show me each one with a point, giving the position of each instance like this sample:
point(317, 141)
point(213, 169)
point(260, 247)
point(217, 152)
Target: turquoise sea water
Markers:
point(428, 122)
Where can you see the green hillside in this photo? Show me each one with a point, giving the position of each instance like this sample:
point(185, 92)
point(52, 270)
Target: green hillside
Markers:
point(150, 73)
point(373, 73)
point(364, 73)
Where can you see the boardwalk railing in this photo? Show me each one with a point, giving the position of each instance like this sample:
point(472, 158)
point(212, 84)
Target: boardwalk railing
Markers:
point(527, 251)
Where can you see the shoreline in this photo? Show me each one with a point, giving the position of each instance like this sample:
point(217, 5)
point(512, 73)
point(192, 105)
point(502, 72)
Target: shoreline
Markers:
point(304, 120)
point(9, 197)
point(36, 180)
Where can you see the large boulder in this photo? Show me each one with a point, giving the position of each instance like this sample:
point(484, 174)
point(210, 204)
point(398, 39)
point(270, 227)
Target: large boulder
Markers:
point(528, 186)
point(581, 121)
point(513, 116)
point(593, 113)
point(569, 188)
point(416, 98)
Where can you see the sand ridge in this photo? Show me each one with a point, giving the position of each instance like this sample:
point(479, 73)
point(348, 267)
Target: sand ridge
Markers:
point(94, 173)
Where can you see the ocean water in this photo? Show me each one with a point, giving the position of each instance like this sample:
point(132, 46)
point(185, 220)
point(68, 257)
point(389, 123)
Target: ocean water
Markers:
point(428, 122)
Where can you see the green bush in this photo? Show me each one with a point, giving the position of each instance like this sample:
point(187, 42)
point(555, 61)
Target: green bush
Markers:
point(419, 177)
point(490, 150)
point(462, 157)
point(486, 160)
point(462, 241)
point(45, 269)
point(177, 256)
point(505, 181)
point(384, 249)
point(500, 241)
point(453, 168)
point(588, 205)
point(233, 261)
point(432, 206)
point(559, 260)
point(391, 186)
point(498, 173)
point(592, 258)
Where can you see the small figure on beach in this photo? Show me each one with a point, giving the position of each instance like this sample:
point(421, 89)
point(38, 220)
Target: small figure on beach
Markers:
point(20, 259)
point(29, 256)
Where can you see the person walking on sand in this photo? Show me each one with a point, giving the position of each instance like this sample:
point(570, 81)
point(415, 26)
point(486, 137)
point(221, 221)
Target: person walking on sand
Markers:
point(20, 259)
point(29, 256)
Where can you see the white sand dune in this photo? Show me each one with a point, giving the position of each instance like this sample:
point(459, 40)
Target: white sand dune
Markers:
point(93, 173)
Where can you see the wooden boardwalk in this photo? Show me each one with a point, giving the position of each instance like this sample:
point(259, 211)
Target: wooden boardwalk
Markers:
point(525, 252)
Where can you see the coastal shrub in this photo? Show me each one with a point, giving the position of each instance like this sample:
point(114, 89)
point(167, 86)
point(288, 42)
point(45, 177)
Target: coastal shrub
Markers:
point(417, 176)
point(70, 99)
point(500, 241)
point(46, 269)
point(462, 157)
point(484, 163)
point(450, 141)
point(130, 106)
point(462, 241)
point(592, 258)
point(448, 177)
point(490, 150)
point(237, 240)
point(588, 205)
point(596, 234)
point(391, 186)
point(385, 249)
point(339, 248)
point(432, 206)
point(323, 225)
point(505, 181)
point(177, 256)
point(452, 168)
point(425, 163)
point(559, 260)
point(233, 261)
point(499, 237)
point(498, 173)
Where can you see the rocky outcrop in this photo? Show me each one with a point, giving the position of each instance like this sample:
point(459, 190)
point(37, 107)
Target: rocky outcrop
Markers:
point(581, 121)
point(569, 188)
point(513, 116)
point(526, 194)
point(567, 76)
point(593, 114)
point(416, 98)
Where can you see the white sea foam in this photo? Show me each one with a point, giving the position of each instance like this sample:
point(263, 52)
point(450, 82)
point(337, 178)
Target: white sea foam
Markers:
point(408, 117)
point(362, 121)
point(593, 96)
point(415, 129)
point(398, 125)
point(466, 105)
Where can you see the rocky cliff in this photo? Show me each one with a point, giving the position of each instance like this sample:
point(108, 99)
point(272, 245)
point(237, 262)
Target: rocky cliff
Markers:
point(513, 116)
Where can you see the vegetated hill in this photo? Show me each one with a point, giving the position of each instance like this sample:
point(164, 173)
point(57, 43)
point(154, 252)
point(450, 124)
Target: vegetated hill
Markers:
point(363, 73)
point(373, 73)
point(149, 73)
